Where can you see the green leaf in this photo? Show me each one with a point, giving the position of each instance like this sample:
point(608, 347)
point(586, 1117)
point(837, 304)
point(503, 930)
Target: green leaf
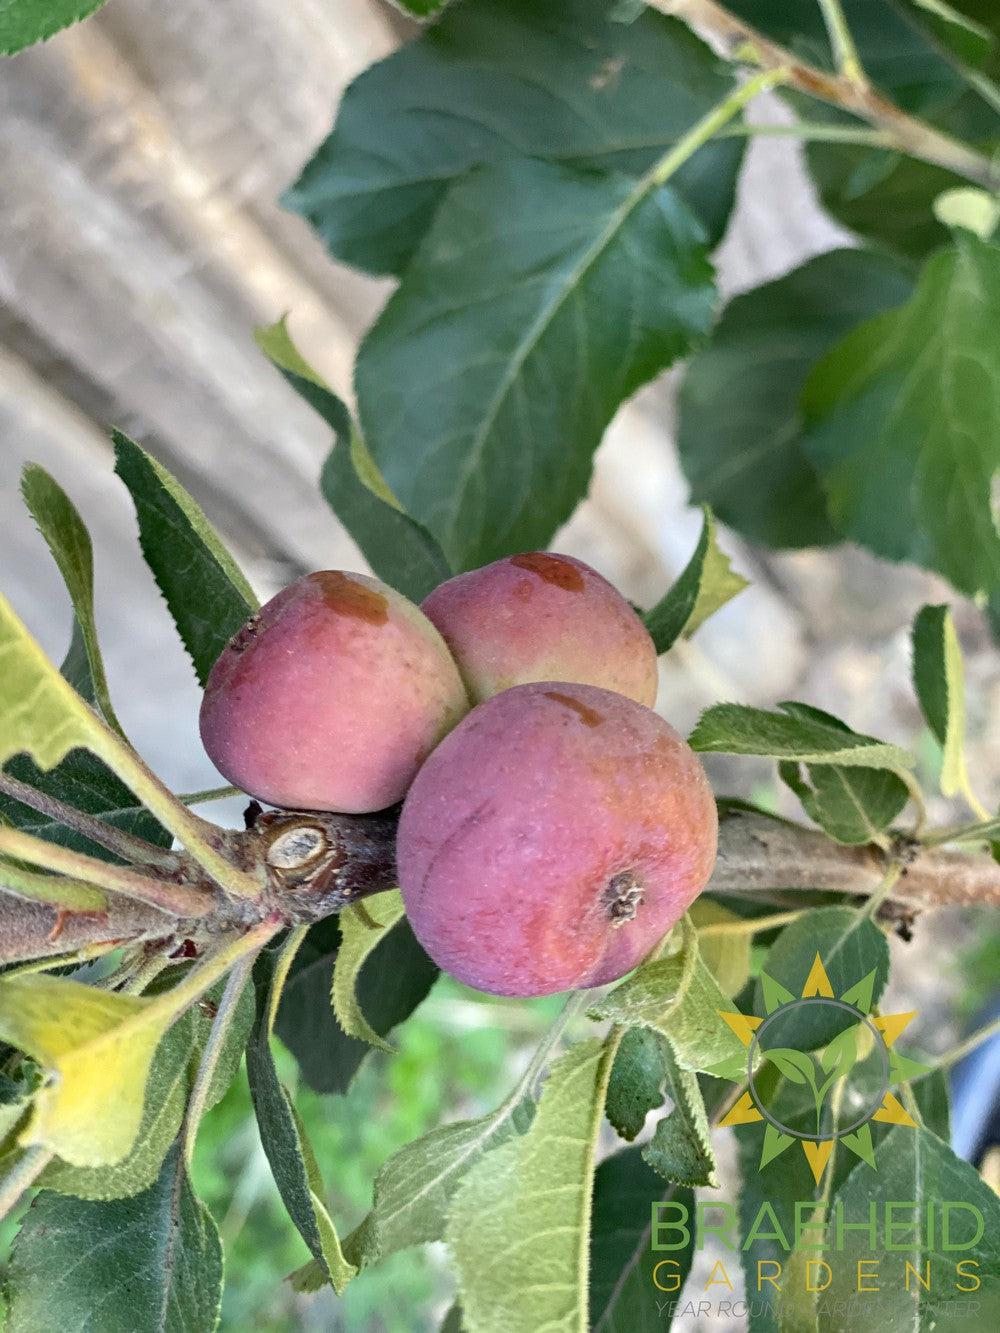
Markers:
point(904, 422)
point(802, 736)
point(679, 998)
point(150, 1262)
point(963, 36)
point(69, 541)
point(291, 1159)
point(791, 1064)
point(205, 591)
point(358, 939)
point(399, 550)
point(414, 1189)
point(393, 980)
point(708, 582)
point(741, 449)
point(852, 805)
point(915, 1165)
point(681, 1148)
point(501, 79)
point(850, 946)
point(487, 382)
point(623, 1296)
point(939, 681)
point(636, 1084)
point(25, 22)
point(535, 1187)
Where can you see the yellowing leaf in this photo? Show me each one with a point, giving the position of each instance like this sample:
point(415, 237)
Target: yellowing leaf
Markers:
point(358, 939)
point(97, 1048)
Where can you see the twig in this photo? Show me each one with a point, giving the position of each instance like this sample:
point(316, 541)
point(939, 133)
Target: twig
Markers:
point(125, 845)
point(742, 43)
point(177, 899)
point(221, 1024)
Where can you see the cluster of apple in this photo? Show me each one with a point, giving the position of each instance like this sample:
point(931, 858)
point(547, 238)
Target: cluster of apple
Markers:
point(553, 826)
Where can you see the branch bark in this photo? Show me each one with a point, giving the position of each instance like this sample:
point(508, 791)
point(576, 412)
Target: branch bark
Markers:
point(907, 134)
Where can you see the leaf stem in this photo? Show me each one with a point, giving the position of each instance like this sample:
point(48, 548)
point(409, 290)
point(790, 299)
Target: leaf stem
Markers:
point(177, 899)
point(575, 1005)
point(116, 840)
point(812, 131)
point(973, 801)
point(710, 124)
point(889, 881)
point(751, 925)
point(59, 891)
point(22, 1176)
point(963, 1048)
point(209, 794)
point(980, 831)
point(845, 53)
point(221, 1024)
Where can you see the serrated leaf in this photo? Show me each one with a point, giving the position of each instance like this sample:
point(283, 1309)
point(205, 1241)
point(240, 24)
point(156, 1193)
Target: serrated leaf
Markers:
point(911, 400)
point(850, 947)
point(852, 805)
point(707, 583)
point(500, 79)
point(69, 541)
point(738, 729)
point(533, 1187)
point(681, 1148)
point(939, 681)
point(150, 1262)
point(399, 550)
point(915, 1165)
point(206, 593)
point(25, 22)
point(635, 1086)
point(415, 1187)
point(394, 979)
point(623, 1296)
point(291, 1159)
point(679, 998)
point(487, 382)
point(358, 939)
point(742, 451)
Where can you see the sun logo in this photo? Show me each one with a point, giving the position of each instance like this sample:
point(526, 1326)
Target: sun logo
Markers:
point(819, 1069)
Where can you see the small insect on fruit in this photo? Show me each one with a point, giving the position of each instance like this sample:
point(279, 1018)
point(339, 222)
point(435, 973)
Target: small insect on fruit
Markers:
point(553, 839)
point(331, 696)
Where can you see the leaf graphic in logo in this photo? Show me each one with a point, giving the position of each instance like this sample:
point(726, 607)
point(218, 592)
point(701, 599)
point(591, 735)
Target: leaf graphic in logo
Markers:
point(793, 1065)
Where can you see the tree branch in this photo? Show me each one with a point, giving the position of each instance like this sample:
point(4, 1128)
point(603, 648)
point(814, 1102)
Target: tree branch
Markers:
point(742, 43)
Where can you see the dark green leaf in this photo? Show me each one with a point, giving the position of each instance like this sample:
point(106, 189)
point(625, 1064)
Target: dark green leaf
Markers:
point(681, 1148)
point(636, 1084)
point(151, 1262)
point(395, 978)
point(740, 421)
point(962, 34)
point(904, 422)
point(289, 1155)
point(399, 550)
point(737, 729)
point(498, 79)
point(706, 584)
point(623, 1295)
point(850, 947)
point(208, 596)
point(486, 383)
point(83, 781)
point(24, 22)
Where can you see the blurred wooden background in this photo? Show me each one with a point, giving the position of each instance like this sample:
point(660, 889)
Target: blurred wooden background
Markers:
point(140, 242)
